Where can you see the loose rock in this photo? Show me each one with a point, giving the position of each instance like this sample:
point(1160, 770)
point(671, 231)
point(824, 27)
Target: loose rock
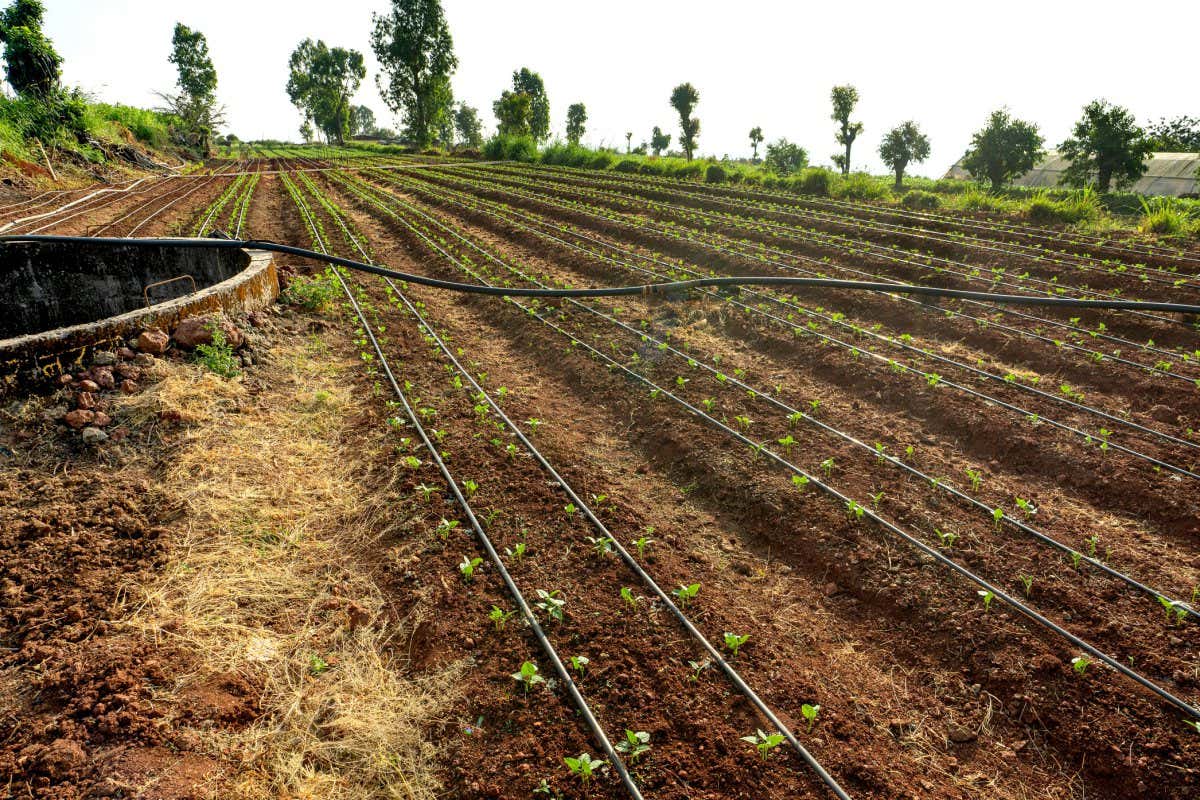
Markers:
point(103, 358)
point(79, 417)
point(153, 341)
point(198, 330)
point(94, 436)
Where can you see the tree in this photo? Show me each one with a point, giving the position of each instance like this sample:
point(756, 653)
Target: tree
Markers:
point(468, 126)
point(845, 98)
point(784, 158)
point(1106, 145)
point(195, 104)
point(362, 121)
point(684, 99)
point(441, 121)
point(756, 138)
point(416, 55)
point(659, 141)
point(32, 65)
point(576, 117)
point(1006, 148)
point(321, 83)
point(1179, 135)
point(628, 141)
point(512, 112)
point(530, 83)
point(903, 144)
point(306, 131)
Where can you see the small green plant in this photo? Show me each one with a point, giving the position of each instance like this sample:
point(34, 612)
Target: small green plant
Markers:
point(976, 478)
point(629, 597)
point(579, 664)
point(734, 642)
point(553, 603)
point(601, 545)
point(471, 486)
point(446, 526)
point(317, 665)
point(854, 510)
point(764, 742)
point(516, 553)
point(827, 466)
point(987, 596)
point(499, 617)
point(997, 516)
point(686, 593)
point(584, 766)
point(947, 539)
point(1080, 664)
point(528, 676)
point(697, 668)
point(787, 443)
point(1026, 506)
point(642, 542)
point(810, 713)
point(570, 508)
point(1027, 582)
point(412, 462)
point(636, 745)
point(468, 566)
point(879, 451)
point(533, 423)
point(426, 491)
point(933, 379)
point(800, 482)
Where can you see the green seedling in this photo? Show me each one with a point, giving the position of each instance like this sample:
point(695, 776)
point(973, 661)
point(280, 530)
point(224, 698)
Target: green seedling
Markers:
point(787, 442)
point(794, 417)
point(976, 478)
point(908, 452)
point(570, 509)
point(553, 603)
point(854, 510)
point(987, 596)
point(1080, 664)
point(412, 462)
point(584, 766)
point(528, 676)
point(697, 668)
point(827, 466)
point(734, 642)
point(533, 423)
point(686, 593)
point(947, 539)
point(814, 404)
point(743, 421)
point(708, 404)
point(468, 566)
point(641, 543)
point(629, 597)
point(876, 499)
point(446, 526)
point(997, 516)
point(800, 482)
point(426, 491)
point(579, 664)
point(1027, 582)
point(516, 553)
point(636, 745)
point(933, 379)
point(763, 742)
point(499, 616)
point(601, 545)
point(317, 665)
point(810, 713)
point(1026, 506)
point(472, 487)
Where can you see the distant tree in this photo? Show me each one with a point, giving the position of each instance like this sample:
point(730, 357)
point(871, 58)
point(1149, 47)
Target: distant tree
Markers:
point(1178, 135)
point(321, 83)
point(845, 98)
point(442, 120)
point(659, 141)
point(684, 99)
point(640, 150)
point(903, 145)
point(32, 65)
point(306, 131)
point(1006, 148)
point(628, 141)
point(530, 83)
point(362, 121)
point(784, 158)
point(468, 126)
point(512, 112)
point(756, 138)
point(416, 56)
point(1106, 145)
point(195, 104)
point(576, 117)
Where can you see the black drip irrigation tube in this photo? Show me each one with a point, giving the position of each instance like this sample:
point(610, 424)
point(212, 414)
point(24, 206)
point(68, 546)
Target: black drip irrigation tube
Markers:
point(738, 682)
point(985, 585)
point(1176, 605)
point(526, 612)
point(658, 290)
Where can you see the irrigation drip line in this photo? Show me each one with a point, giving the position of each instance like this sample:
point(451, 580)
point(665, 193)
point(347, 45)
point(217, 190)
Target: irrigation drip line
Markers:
point(635, 567)
point(663, 290)
point(557, 201)
point(526, 612)
point(908, 347)
point(894, 460)
point(995, 591)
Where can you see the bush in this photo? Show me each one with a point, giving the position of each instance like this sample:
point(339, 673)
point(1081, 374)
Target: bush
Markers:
point(686, 169)
point(601, 160)
point(918, 199)
point(627, 165)
point(714, 174)
point(976, 200)
point(510, 148)
point(861, 186)
point(566, 155)
point(1080, 206)
point(1164, 216)
point(652, 166)
point(814, 181)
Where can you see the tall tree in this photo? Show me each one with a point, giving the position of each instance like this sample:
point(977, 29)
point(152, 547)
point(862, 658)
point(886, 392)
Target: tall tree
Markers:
point(684, 99)
point(468, 126)
point(1004, 149)
point(321, 83)
point(845, 98)
point(362, 121)
point(756, 138)
point(576, 117)
point(1178, 135)
point(903, 145)
point(512, 113)
point(528, 82)
point(412, 42)
point(196, 101)
point(1105, 145)
point(442, 121)
point(32, 65)
point(306, 131)
point(628, 141)
point(659, 141)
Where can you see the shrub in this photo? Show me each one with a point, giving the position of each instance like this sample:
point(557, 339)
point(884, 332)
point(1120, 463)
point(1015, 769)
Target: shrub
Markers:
point(918, 199)
point(686, 169)
point(861, 186)
point(627, 165)
point(601, 160)
point(976, 200)
point(510, 148)
point(1164, 216)
point(714, 174)
point(815, 181)
point(652, 166)
point(1080, 206)
point(566, 155)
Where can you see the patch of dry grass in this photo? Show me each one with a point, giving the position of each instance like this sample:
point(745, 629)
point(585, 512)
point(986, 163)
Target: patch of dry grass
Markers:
point(265, 581)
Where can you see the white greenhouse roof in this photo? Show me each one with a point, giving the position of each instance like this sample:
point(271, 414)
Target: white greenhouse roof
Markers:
point(1168, 174)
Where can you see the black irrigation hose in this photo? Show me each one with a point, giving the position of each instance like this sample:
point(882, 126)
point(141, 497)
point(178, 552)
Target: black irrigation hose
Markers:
point(526, 612)
point(734, 678)
point(649, 289)
point(990, 588)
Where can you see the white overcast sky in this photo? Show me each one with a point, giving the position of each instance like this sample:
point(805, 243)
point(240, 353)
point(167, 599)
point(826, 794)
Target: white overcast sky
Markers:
point(944, 64)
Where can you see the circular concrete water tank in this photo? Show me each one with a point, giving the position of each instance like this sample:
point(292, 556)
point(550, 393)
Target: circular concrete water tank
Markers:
point(59, 301)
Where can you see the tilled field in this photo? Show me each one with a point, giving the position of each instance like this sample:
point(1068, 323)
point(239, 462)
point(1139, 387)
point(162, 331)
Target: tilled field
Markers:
point(948, 548)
